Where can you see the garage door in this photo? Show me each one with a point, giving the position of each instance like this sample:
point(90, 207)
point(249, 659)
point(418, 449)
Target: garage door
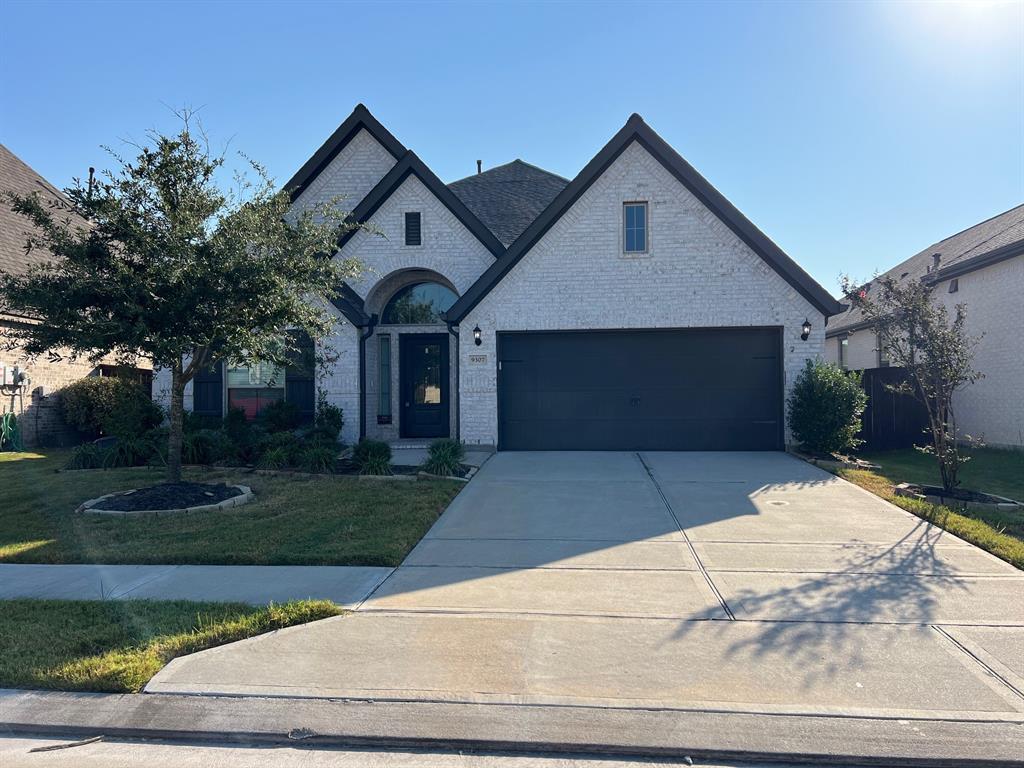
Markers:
point(709, 389)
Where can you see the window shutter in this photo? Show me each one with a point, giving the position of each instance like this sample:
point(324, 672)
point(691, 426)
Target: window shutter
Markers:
point(299, 384)
point(413, 234)
point(208, 392)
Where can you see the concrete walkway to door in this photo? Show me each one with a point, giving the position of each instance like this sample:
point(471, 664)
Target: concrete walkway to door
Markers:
point(736, 582)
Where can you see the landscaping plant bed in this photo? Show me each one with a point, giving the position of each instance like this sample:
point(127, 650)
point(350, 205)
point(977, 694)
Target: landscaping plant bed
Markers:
point(958, 498)
point(169, 497)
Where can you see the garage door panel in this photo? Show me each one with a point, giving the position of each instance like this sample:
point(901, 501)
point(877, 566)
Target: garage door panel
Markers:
point(699, 389)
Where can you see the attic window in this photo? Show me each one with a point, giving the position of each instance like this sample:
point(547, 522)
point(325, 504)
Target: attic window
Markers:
point(413, 230)
point(634, 228)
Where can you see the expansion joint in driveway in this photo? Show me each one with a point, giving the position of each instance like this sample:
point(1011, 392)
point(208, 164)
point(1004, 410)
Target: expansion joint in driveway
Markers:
point(980, 662)
point(689, 544)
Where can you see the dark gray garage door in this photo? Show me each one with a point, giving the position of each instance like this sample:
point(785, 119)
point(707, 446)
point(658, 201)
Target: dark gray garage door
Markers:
point(706, 389)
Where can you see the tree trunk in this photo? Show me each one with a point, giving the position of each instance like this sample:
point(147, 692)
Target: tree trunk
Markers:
point(176, 417)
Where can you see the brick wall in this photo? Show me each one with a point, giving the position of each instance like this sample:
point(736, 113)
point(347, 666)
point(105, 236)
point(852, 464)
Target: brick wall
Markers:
point(353, 172)
point(697, 273)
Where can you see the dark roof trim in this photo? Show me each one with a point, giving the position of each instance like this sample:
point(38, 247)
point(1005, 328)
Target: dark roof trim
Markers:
point(981, 261)
point(846, 330)
point(359, 119)
point(350, 304)
point(408, 165)
point(636, 129)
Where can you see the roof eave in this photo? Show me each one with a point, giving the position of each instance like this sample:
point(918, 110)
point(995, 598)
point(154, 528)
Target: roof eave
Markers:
point(974, 263)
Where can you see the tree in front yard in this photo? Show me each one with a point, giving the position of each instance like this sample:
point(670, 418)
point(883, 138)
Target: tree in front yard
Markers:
point(919, 336)
point(825, 407)
point(177, 267)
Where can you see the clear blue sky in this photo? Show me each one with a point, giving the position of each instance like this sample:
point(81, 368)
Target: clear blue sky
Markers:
point(853, 134)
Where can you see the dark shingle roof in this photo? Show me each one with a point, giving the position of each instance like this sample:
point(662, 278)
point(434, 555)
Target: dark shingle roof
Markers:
point(509, 197)
point(956, 250)
point(16, 176)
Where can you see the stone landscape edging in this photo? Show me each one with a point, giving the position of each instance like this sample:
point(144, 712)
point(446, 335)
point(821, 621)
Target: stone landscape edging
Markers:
point(86, 507)
point(910, 491)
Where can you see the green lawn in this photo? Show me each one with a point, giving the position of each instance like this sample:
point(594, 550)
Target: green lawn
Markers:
point(991, 470)
point(995, 471)
point(293, 521)
point(117, 646)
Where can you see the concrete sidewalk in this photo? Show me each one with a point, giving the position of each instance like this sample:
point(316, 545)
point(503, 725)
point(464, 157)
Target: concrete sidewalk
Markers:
point(255, 584)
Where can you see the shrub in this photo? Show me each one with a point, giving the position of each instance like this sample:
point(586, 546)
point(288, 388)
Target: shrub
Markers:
point(329, 418)
point(207, 446)
point(286, 442)
point(316, 458)
point(128, 451)
point(275, 458)
point(108, 405)
point(86, 456)
point(372, 457)
point(444, 457)
point(279, 416)
point(10, 436)
point(825, 407)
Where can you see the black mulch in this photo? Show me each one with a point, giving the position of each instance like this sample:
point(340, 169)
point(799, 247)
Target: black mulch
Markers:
point(169, 496)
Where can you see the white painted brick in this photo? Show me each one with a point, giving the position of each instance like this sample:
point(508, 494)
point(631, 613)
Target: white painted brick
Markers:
point(697, 274)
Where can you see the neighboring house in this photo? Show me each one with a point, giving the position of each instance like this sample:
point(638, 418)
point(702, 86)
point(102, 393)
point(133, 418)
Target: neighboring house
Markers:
point(31, 398)
point(631, 307)
point(983, 268)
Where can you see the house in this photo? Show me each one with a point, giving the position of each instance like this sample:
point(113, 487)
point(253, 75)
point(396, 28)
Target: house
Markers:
point(630, 307)
point(29, 394)
point(982, 268)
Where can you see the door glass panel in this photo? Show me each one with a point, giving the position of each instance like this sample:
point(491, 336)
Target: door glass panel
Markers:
point(427, 389)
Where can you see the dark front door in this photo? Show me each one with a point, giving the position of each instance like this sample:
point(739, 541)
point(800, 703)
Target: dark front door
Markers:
point(706, 389)
point(423, 371)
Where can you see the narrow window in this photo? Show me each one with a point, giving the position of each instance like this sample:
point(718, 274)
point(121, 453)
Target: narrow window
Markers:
point(954, 285)
point(384, 396)
point(844, 345)
point(634, 227)
point(413, 231)
point(883, 356)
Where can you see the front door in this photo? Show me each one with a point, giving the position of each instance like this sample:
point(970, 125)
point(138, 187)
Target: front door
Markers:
point(423, 371)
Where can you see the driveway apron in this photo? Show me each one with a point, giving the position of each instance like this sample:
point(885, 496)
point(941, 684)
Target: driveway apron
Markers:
point(732, 581)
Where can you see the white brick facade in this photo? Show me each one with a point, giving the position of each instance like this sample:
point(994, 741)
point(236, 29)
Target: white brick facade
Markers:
point(697, 273)
point(353, 172)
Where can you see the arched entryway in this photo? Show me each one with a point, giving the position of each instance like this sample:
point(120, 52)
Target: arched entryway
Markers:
point(411, 386)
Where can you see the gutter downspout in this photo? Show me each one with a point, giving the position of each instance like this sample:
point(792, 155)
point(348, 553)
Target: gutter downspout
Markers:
point(453, 329)
point(362, 374)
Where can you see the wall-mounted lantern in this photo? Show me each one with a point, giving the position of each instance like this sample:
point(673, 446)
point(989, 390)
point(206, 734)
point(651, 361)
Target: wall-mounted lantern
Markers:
point(476, 336)
point(805, 330)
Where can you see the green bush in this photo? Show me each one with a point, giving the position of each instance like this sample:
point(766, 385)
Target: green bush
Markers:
point(444, 457)
point(275, 458)
point(372, 457)
point(10, 435)
point(316, 458)
point(128, 451)
point(329, 418)
point(825, 407)
point(108, 405)
point(86, 456)
point(279, 416)
point(207, 446)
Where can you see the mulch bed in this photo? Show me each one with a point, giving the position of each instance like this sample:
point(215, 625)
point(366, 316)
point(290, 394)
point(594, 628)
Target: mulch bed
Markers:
point(169, 496)
point(347, 467)
point(957, 494)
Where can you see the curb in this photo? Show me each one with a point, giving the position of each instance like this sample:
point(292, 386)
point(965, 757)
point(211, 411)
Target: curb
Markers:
point(653, 733)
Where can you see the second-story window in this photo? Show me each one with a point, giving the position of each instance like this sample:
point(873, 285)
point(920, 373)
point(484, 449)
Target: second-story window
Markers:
point(413, 228)
point(634, 227)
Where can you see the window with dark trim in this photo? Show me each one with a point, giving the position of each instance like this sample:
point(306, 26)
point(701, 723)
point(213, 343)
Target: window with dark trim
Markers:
point(844, 350)
point(634, 227)
point(384, 391)
point(413, 228)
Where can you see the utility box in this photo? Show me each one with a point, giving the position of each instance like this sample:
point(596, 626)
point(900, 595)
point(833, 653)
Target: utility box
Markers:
point(6, 375)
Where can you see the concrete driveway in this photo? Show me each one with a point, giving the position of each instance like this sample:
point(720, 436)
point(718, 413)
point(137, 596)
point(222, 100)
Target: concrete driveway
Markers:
point(730, 581)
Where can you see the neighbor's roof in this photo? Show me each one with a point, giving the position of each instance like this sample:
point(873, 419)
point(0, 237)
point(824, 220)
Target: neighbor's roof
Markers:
point(16, 176)
point(1000, 237)
point(509, 197)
